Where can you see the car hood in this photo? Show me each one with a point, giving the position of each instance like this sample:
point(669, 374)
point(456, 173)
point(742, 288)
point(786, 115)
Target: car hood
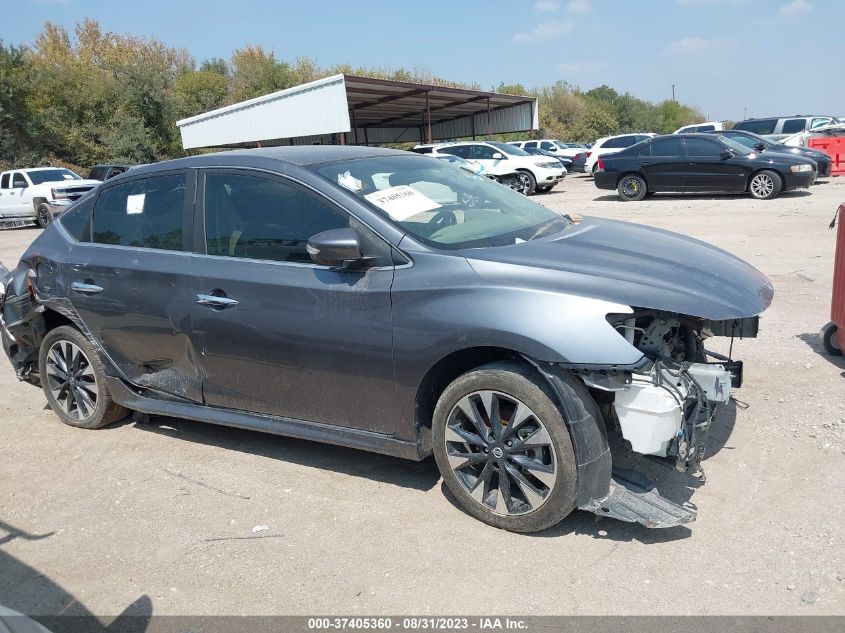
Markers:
point(633, 265)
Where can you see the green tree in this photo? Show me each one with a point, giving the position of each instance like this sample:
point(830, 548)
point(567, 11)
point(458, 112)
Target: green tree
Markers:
point(17, 121)
point(256, 72)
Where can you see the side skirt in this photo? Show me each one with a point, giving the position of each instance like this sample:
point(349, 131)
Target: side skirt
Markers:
point(289, 427)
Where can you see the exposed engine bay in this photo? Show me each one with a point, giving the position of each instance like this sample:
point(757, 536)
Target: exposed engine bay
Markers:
point(665, 407)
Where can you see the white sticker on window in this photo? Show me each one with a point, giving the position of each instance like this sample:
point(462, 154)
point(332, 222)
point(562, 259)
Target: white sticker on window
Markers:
point(401, 202)
point(135, 204)
point(350, 182)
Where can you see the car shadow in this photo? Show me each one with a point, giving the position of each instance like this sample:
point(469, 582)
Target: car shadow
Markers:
point(31, 592)
point(669, 197)
point(349, 461)
point(589, 524)
point(812, 341)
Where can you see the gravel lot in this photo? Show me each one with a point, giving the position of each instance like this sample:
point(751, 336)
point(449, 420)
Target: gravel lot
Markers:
point(162, 518)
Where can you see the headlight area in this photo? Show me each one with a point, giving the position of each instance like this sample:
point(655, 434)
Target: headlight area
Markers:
point(797, 169)
point(664, 406)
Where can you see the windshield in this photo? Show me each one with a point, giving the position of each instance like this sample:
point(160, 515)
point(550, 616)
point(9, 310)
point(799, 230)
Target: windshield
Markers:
point(443, 205)
point(51, 175)
point(509, 149)
point(739, 148)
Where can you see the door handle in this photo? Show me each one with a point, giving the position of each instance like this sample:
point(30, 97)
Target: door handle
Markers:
point(216, 302)
point(88, 289)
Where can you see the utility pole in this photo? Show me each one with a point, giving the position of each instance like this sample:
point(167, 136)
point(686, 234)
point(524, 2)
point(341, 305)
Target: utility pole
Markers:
point(673, 92)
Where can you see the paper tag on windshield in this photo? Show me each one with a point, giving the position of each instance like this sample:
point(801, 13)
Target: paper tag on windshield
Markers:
point(350, 182)
point(401, 202)
point(135, 204)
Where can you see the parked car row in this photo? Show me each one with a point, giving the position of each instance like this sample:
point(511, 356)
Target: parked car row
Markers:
point(536, 174)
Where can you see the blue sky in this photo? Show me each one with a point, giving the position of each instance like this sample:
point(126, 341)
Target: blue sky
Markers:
point(727, 57)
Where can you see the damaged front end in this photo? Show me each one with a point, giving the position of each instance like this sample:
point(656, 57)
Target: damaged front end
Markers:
point(664, 406)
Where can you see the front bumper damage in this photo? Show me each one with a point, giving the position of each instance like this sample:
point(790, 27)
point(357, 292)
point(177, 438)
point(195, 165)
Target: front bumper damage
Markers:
point(664, 409)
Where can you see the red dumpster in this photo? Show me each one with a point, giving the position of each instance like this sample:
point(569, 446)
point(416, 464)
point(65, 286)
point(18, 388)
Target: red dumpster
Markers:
point(834, 146)
point(833, 334)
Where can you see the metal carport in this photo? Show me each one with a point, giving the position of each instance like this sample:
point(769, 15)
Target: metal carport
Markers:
point(362, 111)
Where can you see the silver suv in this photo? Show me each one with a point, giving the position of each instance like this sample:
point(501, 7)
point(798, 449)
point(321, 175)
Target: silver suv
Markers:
point(777, 128)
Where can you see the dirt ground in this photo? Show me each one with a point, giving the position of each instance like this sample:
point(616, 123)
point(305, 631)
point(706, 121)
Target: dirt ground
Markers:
point(162, 518)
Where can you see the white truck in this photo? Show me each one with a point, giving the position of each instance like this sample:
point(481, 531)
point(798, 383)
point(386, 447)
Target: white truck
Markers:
point(38, 195)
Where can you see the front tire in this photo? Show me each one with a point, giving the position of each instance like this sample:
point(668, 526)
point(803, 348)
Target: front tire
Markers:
point(43, 215)
point(517, 473)
point(73, 380)
point(632, 187)
point(765, 185)
point(529, 183)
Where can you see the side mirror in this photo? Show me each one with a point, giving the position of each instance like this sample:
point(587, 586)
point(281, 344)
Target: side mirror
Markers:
point(726, 154)
point(339, 248)
point(498, 156)
point(759, 147)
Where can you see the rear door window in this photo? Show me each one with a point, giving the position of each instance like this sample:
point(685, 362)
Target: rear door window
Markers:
point(145, 213)
point(791, 126)
point(626, 141)
point(667, 147)
point(4, 181)
point(702, 148)
point(758, 126)
point(461, 151)
point(531, 144)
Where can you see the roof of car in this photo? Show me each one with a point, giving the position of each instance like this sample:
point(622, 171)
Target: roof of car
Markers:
point(301, 155)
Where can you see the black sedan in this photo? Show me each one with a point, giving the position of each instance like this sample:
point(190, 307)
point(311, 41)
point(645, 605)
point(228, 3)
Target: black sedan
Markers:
point(698, 163)
point(759, 143)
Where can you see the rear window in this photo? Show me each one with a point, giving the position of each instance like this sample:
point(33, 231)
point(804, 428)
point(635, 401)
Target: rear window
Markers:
point(423, 150)
point(758, 126)
point(77, 219)
point(145, 213)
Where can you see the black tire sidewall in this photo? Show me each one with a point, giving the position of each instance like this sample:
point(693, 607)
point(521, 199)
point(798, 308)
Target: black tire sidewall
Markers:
point(523, 384)
point(45, 209)
point(68, 333)
point(640, 195)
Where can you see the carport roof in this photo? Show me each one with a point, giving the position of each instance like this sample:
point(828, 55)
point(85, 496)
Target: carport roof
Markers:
point(373, 110)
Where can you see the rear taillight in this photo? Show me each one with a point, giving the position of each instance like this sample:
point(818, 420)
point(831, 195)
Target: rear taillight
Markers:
point(600, 163)
point(588, 154)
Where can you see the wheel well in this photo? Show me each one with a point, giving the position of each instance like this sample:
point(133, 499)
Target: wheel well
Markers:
point(53, 319)
point(632, 173)
point(441, 375)
point(37, 201)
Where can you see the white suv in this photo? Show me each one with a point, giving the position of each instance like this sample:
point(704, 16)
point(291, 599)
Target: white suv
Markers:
point(611, 145)
point(551, 145)
point(37, 195)
point(538, 173)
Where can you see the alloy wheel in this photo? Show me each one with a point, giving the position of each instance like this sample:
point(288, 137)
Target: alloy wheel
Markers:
point(762, 185)
point(71, 380)
point(501, 453)
point(524, 183)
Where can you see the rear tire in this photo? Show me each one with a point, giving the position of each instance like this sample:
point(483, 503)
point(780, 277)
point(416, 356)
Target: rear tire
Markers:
point(44, 216)
point(528, 442)
point(632, 187)
point(765, 185)
point(827, 337)
point(74, 382)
